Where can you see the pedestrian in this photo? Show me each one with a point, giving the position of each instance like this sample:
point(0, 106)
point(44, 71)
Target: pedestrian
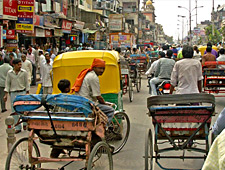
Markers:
point(27, 65)
point(52, 55)
point(45, 70)
point(186, 74)
point(4, 70)
point(197, 54)
point(221, 57)
point(208, 57)
point(11, 56)
point(14, 51)
point(30, 56)
point(1, 59)
point(214, 52)
point(16, 84)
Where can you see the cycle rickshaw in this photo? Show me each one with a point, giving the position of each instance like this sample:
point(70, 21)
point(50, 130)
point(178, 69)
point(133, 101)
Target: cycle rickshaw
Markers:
point(126, 80)
point(179, 120)
point(214, 78)
point(81, 132)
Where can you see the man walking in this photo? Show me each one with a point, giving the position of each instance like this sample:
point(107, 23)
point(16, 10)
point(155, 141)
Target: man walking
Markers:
point(4, 70)
point(16, 84)
point(45, 70)
point(27, 65)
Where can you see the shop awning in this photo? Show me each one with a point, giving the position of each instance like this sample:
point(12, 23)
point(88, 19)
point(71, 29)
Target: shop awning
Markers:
point(89, 31)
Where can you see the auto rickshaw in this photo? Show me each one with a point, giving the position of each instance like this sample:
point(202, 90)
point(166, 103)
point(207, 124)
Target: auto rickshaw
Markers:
point(203, 48)
point(69, 65)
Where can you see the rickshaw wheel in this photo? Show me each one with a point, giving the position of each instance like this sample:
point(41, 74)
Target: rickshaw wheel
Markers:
point(148, 150)
point(130, 89)
point(100, 157)
point(18, 157)
point(138, 82)
point(118, 131)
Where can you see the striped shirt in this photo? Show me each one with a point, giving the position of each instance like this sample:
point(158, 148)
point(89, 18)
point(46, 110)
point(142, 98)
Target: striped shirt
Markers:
point(164, 68)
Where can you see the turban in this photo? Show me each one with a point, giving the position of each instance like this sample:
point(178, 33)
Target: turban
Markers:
point(96, 63)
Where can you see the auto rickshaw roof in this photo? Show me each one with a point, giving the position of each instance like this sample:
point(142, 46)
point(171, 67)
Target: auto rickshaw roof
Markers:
point(85, 57)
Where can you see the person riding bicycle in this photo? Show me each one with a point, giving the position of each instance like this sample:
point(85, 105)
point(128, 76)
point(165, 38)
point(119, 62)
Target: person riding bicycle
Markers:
point(87, 85)
point(163, 71)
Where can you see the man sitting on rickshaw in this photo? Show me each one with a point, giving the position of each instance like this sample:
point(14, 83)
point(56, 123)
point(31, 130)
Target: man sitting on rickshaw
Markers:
point(87, 85)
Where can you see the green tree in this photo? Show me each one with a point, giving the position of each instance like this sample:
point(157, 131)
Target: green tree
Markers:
point(210, 37)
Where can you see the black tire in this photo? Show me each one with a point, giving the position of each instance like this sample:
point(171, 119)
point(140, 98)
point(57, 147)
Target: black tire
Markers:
point(130, 89)
point(118, 131)
point(100, 157)
point(18, 155)
point(148, 150)
point(138, 82)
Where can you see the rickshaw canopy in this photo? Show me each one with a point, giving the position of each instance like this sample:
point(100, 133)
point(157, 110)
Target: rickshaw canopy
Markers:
point(69, 65)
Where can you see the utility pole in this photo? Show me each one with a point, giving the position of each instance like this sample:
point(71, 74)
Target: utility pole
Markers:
point(213, 18)
point(138, 22)
point(196, 13)
point(190, 20)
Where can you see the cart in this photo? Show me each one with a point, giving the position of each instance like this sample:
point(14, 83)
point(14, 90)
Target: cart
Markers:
point(191, 114)
point(126, 80)
point(80, 133)
point(214, 78)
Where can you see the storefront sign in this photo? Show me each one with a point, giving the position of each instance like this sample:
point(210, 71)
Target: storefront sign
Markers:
point(64, 6)
point(8, 9)
point(38, 20)
point(11, 46)
point(116, 22)
point(66, 26)
point(12, 41)
point(39, 32)
point(10, 34)
point(25, 16)
point(48, 33)
point(4, 35)
point(58, 33)
point(79, 25)
point(48, 20)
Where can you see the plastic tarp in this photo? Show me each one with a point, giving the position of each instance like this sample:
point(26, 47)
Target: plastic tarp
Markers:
point(70, 102)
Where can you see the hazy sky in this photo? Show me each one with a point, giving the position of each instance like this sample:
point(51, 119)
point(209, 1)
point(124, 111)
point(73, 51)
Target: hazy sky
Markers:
point(167, 10)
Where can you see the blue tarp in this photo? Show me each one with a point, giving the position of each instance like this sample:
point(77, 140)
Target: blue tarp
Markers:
point(70, 102)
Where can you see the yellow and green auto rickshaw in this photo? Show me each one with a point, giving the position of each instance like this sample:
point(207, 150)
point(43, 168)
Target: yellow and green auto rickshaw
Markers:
point(69, 65)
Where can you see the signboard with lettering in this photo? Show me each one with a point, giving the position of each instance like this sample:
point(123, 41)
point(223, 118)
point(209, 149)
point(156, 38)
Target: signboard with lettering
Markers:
point(66, 26)
point(38, 20)
point(39, 32)
point(9, 9)
point(25, 16)
point(116, 22)
point(58, 33)
point(48, 20)
point(48, 33)
point(10, 34)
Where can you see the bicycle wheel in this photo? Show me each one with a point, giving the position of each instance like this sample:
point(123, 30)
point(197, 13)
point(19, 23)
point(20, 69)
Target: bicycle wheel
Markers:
point(118, 131)
point(130, 89)
point(148, 150)
point(100, 157)
point(138, 82)
point(18, 157)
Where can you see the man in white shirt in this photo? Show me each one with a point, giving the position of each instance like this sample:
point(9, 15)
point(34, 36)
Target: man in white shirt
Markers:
point(3, 73)
point(45, 70)
point(27, 65)
point(221, 58)
point(16, 84)
point(187, 74)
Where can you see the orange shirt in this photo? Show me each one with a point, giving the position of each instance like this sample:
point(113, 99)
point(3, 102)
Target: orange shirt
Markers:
point(208, 57)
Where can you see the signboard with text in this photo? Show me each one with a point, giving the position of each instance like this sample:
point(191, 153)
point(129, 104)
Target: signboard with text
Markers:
point(10, 34)
point(8, 9)
point(66, 26)
point(25, 16)
point(115, 22)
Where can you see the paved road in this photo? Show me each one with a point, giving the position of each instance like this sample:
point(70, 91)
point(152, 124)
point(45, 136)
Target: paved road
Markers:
point(131, 157)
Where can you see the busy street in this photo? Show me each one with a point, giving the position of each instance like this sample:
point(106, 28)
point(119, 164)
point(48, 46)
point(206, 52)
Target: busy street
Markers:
point(112, 84)
point(131, 157)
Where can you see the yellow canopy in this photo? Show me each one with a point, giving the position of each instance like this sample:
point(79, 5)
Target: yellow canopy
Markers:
point(203, 48)
point(69, 65)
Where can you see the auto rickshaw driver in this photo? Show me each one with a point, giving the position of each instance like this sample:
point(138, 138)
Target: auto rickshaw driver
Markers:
point(87, 85)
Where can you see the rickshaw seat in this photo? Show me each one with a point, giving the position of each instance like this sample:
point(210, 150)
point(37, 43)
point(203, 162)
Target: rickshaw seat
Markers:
point(158, 108)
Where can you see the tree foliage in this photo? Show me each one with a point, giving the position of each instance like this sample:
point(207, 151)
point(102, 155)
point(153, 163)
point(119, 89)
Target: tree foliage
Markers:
point(213, 38)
